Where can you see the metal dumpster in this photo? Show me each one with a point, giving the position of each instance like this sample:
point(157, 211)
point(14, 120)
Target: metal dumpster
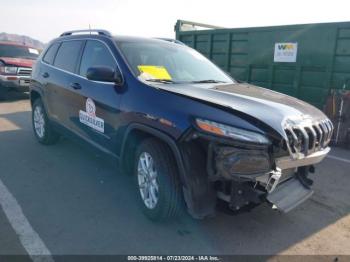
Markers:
point(303, 61)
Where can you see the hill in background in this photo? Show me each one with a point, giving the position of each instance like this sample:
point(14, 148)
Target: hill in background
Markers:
point(21, 39)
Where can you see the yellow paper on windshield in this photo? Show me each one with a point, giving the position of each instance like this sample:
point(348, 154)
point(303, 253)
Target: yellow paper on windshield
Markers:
point(157, 72)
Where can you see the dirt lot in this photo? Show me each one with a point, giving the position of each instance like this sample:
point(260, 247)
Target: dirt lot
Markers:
point(79, 203)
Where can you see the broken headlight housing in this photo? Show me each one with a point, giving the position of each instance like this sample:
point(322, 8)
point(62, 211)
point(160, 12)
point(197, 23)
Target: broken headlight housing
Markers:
point(231, 132)
point(232, 161)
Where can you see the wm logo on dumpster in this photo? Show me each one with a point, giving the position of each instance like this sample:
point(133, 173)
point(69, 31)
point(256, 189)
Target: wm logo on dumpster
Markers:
point(285, 52)
point(286, 47)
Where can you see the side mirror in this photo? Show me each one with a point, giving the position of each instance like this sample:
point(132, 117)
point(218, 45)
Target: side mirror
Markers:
point(104, 74)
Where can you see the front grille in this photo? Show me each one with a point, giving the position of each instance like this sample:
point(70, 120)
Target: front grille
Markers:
point(24, 71)
point(308, 138)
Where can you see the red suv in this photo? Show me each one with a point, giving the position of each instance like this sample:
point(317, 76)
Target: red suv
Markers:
point(16, 61)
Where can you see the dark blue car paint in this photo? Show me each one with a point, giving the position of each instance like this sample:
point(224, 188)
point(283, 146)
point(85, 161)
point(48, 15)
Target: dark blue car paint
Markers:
point(120, 106)
point(165, 111)
point(148, 103)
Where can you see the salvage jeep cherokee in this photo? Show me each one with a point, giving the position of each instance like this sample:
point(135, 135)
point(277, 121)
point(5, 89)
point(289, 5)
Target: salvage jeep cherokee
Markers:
point(189, 134)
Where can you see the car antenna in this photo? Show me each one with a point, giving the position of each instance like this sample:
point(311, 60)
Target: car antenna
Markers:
point(90, 28)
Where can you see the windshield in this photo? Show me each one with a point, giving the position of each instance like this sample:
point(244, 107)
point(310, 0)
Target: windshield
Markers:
point(18, 51)
point(169, 62)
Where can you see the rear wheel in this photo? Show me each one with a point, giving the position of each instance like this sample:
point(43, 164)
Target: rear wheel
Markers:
point(42, 128)
point(158, 186)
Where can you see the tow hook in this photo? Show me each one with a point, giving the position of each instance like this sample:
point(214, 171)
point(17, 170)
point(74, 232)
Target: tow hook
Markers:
point(273, 180)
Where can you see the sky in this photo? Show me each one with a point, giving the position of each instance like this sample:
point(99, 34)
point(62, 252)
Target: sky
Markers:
point(45, 20)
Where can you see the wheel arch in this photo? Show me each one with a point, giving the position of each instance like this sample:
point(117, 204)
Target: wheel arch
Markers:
point(34, 95)
point(140, 131)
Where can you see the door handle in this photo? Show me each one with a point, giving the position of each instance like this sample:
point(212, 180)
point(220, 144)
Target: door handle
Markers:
point(75, 86)
point(45, 75)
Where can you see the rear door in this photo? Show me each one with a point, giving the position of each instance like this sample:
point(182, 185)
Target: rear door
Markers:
point(47, 78)
point(62, 75)
point(97, 107)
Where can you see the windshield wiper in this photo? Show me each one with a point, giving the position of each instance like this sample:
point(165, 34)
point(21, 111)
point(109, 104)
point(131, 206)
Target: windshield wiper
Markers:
point(165, 81)
point(207, 81)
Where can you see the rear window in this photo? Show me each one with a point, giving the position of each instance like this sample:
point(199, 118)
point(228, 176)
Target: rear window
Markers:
point(68, 55)
point(50, 53)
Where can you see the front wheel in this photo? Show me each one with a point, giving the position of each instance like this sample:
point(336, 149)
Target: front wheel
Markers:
point(158, 186)
point(42, 128)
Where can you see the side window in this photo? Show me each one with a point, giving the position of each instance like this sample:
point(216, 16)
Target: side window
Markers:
point(96, 54)
point(68, 55)
point(50, 53)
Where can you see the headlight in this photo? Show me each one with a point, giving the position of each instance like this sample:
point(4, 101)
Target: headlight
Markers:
point(231, 132)
point(11, 70)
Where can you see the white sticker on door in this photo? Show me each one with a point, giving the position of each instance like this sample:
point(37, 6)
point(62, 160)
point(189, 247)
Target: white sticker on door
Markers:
point(89, 117)
point(285, 52)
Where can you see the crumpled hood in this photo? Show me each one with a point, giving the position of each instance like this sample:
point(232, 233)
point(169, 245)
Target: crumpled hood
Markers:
point(268, 106)
point(17, 61)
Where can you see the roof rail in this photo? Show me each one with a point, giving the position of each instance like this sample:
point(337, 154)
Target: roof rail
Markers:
point(89, 31)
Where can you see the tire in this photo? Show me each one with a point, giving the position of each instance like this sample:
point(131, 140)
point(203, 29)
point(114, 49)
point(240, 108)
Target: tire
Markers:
point(45, 135)
point(169, 195)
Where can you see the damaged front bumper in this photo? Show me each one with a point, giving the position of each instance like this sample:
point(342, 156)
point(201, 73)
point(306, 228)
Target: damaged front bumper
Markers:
point(289, 195)
point(249, 177)
point(243, 175)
